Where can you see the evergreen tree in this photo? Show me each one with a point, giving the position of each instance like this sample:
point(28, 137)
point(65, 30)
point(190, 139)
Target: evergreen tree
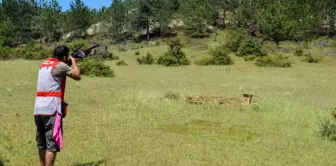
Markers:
point(47, 24)
point(118, 19)
point(79, 18)
point(275, 24)
point(196, 16)
point(155, 14)
point(20, 13)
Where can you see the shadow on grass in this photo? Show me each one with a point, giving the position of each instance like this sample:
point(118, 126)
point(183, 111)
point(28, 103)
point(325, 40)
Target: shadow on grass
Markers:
point(95, 163)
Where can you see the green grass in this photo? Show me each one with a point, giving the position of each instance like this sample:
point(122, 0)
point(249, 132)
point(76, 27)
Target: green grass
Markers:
point(133, 120)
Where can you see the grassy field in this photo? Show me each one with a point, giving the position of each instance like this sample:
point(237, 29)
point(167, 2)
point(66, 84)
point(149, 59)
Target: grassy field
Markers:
point(127, 120)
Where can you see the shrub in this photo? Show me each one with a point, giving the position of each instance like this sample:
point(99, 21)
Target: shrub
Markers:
point(148, 60)
point(218, 57)
point(94, 67)
point(102, 53)
point(175, 56)
point(121, 63)
point(250, 47)
point(235, 37)
point(137, 53)
point(269, 48)
point(6, 53)
point(274, 61)
point(328, 127)
point(298, 52)
point(312, 59)
point(78, 45)
point(33, 52)
point(113, 57)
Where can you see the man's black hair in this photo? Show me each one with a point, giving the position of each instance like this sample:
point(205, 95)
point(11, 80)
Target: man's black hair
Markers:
point(61, 51)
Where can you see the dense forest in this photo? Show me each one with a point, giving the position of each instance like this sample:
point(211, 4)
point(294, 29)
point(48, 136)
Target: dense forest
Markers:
point(275, 20)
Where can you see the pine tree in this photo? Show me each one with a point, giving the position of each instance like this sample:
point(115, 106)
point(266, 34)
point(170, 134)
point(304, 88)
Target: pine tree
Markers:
point(79, 18)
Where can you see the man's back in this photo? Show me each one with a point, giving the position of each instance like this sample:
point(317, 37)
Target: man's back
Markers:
point(50, 106)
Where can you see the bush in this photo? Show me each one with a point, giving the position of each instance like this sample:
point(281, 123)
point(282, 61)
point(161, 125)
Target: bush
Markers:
point(218, 57)
point(8, 33)
point(148, 60)
point(250, 47)
point(94, 67)
point(312, 59)
point(137, 53)
point(113, 57)
point(121, 63)
point(6, 53)
point(33, 52)
point(328, 127)
point(235, 37)
point(298, 52)
point(175, 56)
point(274, 61)
point(78, 45)
point(102, 53)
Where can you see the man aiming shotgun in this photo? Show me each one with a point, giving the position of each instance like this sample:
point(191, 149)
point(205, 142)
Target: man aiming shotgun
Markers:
point(50, 107)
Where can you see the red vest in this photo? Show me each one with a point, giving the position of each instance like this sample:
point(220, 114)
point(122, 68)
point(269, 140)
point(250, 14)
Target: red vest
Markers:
point(50, 89)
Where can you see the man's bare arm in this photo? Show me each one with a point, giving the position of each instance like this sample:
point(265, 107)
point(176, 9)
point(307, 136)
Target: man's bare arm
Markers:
point(75, 70)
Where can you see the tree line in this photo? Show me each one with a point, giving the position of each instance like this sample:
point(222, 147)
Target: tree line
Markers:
point(275, 20)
